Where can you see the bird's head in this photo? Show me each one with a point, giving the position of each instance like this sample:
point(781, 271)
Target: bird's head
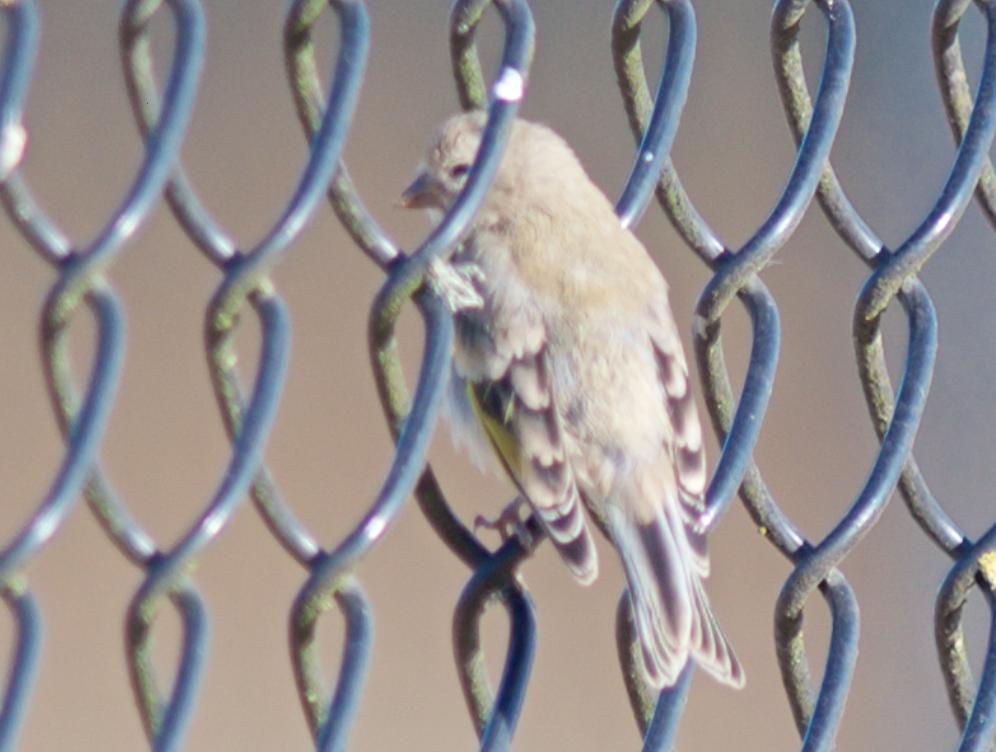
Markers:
point(446, 165)
point(539, 176)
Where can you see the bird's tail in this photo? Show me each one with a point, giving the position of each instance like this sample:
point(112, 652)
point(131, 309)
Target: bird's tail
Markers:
point(710, 648)
point(673, 618)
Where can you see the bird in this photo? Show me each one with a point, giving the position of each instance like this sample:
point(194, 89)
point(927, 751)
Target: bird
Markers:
point(568, 375)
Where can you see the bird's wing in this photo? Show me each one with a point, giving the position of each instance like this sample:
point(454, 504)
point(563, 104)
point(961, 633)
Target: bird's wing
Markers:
point(502, 355)
point(686, 449)
point(518, 414)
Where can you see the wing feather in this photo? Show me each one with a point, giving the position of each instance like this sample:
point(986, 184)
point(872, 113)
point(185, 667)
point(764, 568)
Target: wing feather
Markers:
point(501, 356)
point(526, 433)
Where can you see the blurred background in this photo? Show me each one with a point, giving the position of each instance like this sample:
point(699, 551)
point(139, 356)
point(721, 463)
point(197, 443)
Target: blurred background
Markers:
point(165, 448)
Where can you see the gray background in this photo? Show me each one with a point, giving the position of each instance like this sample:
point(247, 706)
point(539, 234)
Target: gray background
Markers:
point(165, 448)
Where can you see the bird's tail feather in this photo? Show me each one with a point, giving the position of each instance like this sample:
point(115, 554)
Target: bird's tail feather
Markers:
point(711, 649)
point(671, 612)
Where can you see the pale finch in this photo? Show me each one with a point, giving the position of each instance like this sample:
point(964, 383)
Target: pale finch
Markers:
point(568, 369)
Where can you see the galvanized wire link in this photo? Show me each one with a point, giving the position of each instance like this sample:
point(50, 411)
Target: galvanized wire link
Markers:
point(655, 128)
point(495, 716)
point(896, 420)
point(412, 421)
point(735, 275)
point(84, 417)
point(248, 420)
point(972, 127)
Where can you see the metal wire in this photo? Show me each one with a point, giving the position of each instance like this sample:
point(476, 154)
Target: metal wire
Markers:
point(334, 572)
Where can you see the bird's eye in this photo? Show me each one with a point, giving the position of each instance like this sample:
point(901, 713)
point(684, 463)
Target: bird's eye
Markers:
point(458, 171)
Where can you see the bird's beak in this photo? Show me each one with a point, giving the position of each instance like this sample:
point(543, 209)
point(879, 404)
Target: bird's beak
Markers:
point(419, 195)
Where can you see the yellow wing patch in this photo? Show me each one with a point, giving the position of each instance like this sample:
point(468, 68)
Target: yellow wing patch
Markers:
point(498, 432)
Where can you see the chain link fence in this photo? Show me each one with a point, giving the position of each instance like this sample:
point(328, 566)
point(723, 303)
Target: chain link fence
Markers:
point(247, 330)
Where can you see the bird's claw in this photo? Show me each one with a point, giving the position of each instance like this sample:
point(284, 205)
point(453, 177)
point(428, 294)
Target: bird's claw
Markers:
point(509, 524)
point(454, 283)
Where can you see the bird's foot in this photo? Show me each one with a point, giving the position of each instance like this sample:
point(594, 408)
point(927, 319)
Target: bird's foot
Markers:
point(454, 283)
point(510, 523)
